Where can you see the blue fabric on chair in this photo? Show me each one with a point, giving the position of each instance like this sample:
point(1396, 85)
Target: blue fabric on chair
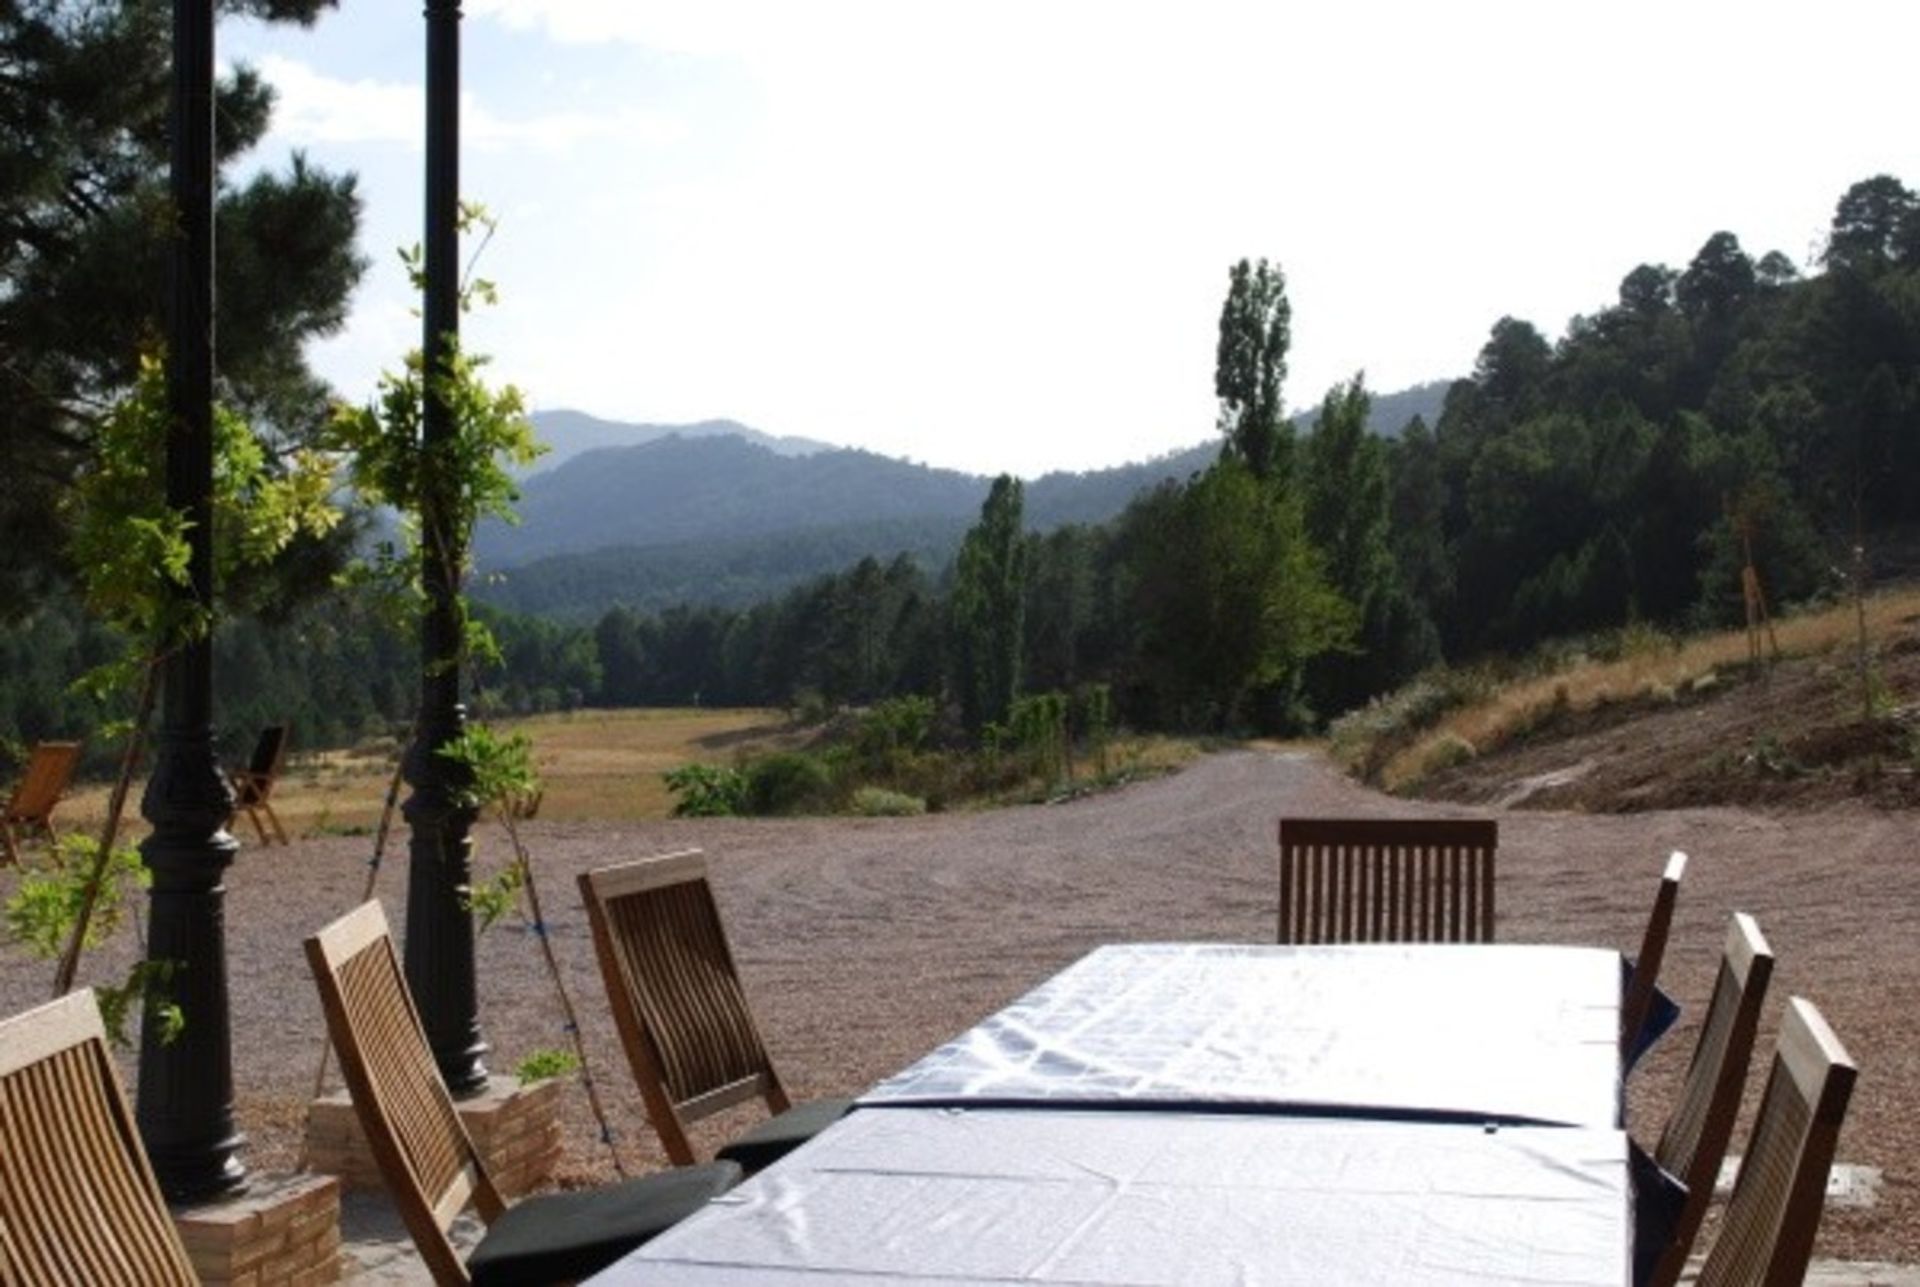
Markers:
point(564, 1237)
point(779, 1135)
point(1657, 1198)
point(1661, 1015)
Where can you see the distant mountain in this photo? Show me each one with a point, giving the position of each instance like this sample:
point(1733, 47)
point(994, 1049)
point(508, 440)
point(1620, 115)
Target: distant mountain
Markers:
point(725, 488)
point(569, 433)
point(719, 513)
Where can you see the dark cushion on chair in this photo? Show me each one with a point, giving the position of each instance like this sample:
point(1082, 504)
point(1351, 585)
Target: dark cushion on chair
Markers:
point(1662, 1011)
point(778, 1136)
point(563, 1237)
point(1657, 1201)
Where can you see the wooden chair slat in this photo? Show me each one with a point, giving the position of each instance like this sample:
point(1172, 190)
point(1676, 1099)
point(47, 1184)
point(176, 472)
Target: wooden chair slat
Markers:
point(1767, 1233)
point(428, 1161)
point(1638, 1001)
point(676, 994)
point(78, 1199)
point(1694, 1142)
point(1387, 880)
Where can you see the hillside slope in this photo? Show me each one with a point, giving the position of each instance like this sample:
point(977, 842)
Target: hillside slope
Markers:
point(1790, 739)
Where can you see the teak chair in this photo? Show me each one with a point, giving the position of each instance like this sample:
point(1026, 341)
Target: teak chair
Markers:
point(1694, 1142)
point(253, 785)
point(428, 1160)
point(682, 1013)
point(1637, 1004)
point(49, 769)
point(1766, 1236)
point(1379, 880)
point(78, 1199)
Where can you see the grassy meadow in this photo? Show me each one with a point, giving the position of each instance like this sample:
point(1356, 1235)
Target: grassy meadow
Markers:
point(594, 764)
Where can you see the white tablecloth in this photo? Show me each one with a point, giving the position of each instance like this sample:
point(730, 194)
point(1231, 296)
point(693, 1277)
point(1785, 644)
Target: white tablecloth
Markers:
point(1038, 1195)
point(1512, 1033)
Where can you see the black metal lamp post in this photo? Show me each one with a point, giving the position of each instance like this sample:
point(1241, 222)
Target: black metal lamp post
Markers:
point(185, 1109)
point(439, 941)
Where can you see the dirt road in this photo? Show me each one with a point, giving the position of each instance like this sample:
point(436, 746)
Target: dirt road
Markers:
point(866, 942)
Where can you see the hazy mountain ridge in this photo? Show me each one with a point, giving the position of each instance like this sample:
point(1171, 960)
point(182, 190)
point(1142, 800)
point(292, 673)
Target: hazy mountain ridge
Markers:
point(716, 512)
point(568, 433)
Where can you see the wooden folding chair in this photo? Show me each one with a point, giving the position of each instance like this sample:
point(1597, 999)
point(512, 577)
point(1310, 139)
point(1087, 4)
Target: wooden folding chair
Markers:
point(1766, 1236)
point(253, 785)
point(1638, 1002)
point(1694, 1142)
point(49, 770)
point(1381, 880)
point(78, 1199)
point(428, 1160)
point(682, 1012)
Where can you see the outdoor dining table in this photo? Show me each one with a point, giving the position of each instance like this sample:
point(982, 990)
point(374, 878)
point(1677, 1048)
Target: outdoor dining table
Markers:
point(1202, 1113)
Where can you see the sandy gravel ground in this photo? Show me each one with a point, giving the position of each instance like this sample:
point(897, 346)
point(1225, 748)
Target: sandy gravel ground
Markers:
point(866, 943)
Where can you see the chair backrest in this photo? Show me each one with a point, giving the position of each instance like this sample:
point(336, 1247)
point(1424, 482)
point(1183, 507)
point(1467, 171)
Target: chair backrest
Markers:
point(425, 1156)
point(1695, 1139)
point(1766, 1236)
point(675, 993)
point(1653, 949)
point(49, 769)
point(1381, 880)
point(269, 749)
point(78, 1199)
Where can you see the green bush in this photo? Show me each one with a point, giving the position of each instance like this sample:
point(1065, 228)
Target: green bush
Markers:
point(788, 782)
point(892, 730)
point(706, 791)
point(878, 802)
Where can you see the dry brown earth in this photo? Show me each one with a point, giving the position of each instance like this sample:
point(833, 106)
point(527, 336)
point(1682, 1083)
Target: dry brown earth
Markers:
point(865, 943)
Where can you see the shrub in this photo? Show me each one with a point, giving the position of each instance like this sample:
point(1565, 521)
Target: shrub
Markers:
point(1450, 750)
point(787, 782)
point(706, 791)
point(892, 730)
point(878, 802)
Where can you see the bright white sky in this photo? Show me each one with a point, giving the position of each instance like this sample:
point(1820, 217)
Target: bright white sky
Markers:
point(995, 235)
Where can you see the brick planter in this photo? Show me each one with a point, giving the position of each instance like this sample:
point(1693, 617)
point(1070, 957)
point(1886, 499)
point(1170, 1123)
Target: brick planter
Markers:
point(516, 1128)
point(283, 1229)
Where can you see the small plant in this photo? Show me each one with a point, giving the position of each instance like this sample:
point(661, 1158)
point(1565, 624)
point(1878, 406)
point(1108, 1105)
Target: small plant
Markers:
point(147, 985)
point(544, 1065)
point(46, 911)
point(878, 802)
point(45, 907)
point(1769, 758)
point(706, 791)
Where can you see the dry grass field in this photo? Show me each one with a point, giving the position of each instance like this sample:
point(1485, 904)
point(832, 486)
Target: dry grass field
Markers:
point(603, 765)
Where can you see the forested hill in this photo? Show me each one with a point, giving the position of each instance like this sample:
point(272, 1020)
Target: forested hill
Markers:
point(723, 520)
point(726, 488)
point(716, 512)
